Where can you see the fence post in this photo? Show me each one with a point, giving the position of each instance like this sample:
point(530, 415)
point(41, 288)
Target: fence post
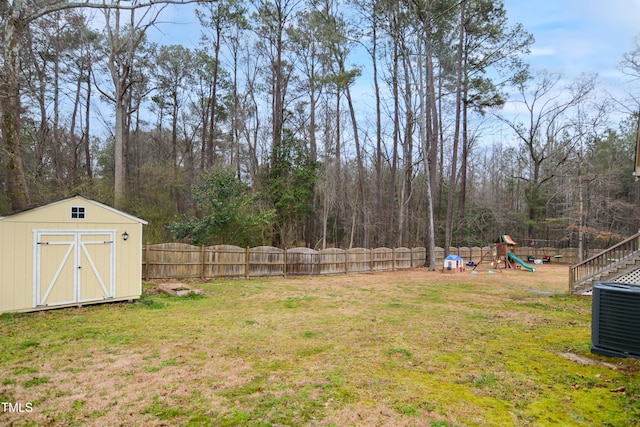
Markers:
point(393, 259)
point(146, 261)
point(202, 262)
point(371, 260)
point(285, 262)
point(346, 261)
point(246, 262)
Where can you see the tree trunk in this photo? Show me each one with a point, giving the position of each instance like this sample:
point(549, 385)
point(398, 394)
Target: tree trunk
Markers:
point(431, 153)
point(379, 211)
point(396, 136)
point(407, 148)
point(87, 134)
point(464, 165)
point(361, 186)
point(453, 177)
point(581, 217)
point(10, 107)
point(212, 104)
point(75, 145)
point(119, 172)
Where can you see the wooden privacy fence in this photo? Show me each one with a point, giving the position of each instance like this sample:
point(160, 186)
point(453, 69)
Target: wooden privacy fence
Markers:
point(182, 261)
point(179, 260)
point(564, 255)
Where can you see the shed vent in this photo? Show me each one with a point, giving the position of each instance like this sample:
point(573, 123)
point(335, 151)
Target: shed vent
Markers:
point(615, 329)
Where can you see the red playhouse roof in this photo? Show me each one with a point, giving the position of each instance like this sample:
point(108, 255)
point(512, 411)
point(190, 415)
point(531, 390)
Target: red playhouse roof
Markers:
point(508, 240)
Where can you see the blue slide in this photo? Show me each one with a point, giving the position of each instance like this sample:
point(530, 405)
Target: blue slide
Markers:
point(521, 262)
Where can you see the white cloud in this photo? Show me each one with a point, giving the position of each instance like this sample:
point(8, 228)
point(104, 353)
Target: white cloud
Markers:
point(542, 51)
point(575, 37)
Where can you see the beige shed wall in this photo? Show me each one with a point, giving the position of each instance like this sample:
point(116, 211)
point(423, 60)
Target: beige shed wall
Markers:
point(17, 248)
point(16, 266)
point(129, 262)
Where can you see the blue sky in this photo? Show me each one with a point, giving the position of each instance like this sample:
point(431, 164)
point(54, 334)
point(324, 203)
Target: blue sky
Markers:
point(580, 36)
point(572, 37)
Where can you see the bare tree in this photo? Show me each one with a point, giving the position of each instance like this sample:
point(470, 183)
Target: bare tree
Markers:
point(124, 40)
point(15, 18)
point(543, 134)
point(273, 17)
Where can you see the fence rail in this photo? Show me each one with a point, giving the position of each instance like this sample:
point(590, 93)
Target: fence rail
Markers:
point(178, 260)
point(184, 261)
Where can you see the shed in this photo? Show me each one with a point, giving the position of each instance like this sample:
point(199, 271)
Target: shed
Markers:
point(71, 252)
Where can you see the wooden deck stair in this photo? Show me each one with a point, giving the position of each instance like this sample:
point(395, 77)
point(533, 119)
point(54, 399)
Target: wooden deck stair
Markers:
point(620, 262)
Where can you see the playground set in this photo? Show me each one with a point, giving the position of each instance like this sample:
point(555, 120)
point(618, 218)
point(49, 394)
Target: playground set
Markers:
point(500, 255)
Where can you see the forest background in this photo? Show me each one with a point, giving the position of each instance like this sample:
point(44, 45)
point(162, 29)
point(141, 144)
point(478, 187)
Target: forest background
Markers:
point(268, 132)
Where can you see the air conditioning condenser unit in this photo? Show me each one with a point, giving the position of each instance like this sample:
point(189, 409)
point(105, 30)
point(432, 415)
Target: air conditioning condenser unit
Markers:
point(615, 328)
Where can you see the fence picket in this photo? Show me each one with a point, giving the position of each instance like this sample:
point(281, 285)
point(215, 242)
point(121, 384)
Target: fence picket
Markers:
point(179, 260)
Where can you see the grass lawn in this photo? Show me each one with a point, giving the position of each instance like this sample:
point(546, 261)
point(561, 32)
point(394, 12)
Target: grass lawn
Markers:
point(407, 348)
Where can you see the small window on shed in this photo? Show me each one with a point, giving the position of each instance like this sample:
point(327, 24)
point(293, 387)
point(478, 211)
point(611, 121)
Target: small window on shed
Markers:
point(77, 212)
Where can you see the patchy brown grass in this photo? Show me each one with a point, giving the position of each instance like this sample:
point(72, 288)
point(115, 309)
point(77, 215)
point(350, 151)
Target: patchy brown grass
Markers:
point(406, 348)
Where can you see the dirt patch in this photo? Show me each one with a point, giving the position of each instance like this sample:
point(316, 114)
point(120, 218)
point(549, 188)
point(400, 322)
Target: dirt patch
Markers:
point(151, 290)
point(178, 289)
point(547, 279)
point(583, 360)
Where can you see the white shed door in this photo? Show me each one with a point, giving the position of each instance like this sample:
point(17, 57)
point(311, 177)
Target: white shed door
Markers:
point(73, 266)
